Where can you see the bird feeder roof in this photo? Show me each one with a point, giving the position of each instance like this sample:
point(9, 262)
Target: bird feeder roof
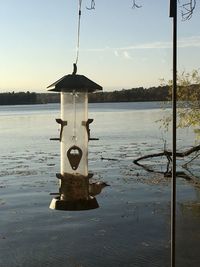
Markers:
point(71, 82)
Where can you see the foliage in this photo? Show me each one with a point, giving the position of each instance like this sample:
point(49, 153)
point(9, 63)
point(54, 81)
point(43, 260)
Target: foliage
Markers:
point(188, 104)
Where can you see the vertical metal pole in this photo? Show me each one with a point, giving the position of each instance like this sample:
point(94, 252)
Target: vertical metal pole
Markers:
point(173, 13)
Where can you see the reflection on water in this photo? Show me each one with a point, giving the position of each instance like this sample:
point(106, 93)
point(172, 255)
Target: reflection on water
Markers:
point(190, 208)
point(132, 227)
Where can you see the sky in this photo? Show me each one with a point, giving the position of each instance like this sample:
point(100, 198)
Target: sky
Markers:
point(120, 47)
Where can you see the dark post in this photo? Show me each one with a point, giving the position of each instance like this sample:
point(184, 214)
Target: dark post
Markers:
point(173, 14)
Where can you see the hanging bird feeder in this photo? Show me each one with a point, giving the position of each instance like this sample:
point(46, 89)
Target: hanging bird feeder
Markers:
point(74, 136)
point(75, 192)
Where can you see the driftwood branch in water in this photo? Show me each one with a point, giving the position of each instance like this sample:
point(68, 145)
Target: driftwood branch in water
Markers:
point(168, 155)
point(161, 154)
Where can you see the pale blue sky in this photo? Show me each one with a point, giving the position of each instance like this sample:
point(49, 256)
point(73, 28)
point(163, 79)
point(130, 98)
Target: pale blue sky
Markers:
point(119, 47)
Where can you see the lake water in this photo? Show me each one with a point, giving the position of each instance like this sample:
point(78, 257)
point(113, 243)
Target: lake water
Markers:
point(132, 225)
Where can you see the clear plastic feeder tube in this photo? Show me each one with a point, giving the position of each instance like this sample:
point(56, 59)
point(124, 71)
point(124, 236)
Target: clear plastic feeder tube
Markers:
point(74, 139)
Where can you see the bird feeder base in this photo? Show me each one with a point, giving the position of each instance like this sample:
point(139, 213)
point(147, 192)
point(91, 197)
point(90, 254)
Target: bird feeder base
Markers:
point(74, 205)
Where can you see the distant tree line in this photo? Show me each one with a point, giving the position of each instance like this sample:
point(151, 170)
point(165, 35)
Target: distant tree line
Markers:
point(20, 98)
point(160, 93)
point(45, 98)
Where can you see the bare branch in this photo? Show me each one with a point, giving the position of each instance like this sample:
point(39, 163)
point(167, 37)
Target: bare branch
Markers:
point(168, 172)
point(169, 154)
point(188, 9)
point(135, 5)
point(92, 5)
point(187, 163)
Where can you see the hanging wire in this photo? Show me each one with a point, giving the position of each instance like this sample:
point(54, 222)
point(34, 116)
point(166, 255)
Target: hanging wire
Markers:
point(74, 137)
point(78, 31)
point(92, 6)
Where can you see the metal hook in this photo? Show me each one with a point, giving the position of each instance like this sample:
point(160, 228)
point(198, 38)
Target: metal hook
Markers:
point(74, 69)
